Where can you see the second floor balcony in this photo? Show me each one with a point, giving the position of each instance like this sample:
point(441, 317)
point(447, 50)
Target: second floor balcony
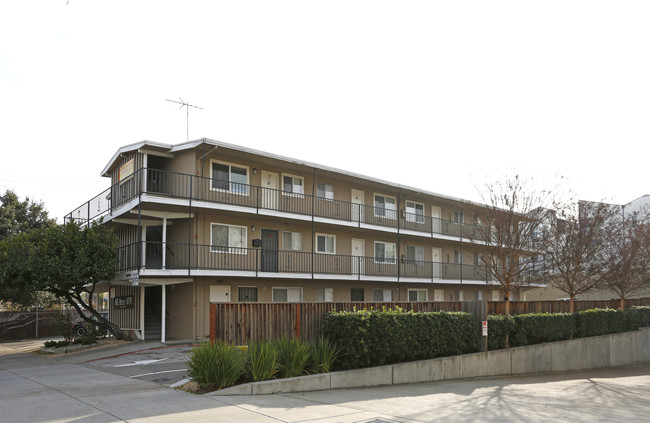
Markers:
point(158, 185)
point(157, 258)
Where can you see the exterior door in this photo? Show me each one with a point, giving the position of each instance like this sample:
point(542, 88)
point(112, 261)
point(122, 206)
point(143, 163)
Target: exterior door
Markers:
point(357, 256)
point(436, 214)
point(358, 208)
point(269, 250)
point(436, 258)
point(270, 190)
point(438, 295)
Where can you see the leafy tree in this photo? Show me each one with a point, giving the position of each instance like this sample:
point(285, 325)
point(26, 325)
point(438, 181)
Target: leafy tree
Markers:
point(21, 216)
point(575, 248)
point(65, 260)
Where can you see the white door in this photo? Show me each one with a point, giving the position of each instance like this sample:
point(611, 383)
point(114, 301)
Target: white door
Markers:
point(357, 205)
point(357, 256)
point(438, 295)
point(436, 214)
point(496, 295)
point(219, 294)
point(436, 258)
point(270, 182)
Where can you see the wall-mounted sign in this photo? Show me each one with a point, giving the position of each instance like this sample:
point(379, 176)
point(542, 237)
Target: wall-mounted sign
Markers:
point(484, 328)
point(123, 303)
point(126, 170)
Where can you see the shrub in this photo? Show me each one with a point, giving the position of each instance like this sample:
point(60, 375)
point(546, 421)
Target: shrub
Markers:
point(373, 338)
point(599, 322)
point(261, 361)
point(293, 355)
point(63, 325)
point(56, 344)
point(323, 356)
point(215, 365)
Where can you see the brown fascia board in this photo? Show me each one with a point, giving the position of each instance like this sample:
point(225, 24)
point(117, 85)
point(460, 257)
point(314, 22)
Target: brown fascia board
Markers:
point(131, 147)
point(220, 144)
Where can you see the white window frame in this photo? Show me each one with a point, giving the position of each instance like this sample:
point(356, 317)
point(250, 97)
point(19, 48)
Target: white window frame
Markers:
point(412, 216)
point(292, 193)
point(387, 213)
point(230, 166)
point(329, 194)
point(384, 259)
point(383, 294)
point(229, 249)
point(418, 291)
point(458, 257)
point(415, 261)
point(326, 236)
point(326, 298)
point(287, 288)
point(294, 235)
point(459, 217)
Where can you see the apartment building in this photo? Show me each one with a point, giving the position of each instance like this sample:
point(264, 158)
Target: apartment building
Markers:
point(206, 221)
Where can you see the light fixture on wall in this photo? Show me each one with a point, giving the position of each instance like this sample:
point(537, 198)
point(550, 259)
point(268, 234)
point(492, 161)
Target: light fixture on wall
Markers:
point(252, 228)
point(254, 171)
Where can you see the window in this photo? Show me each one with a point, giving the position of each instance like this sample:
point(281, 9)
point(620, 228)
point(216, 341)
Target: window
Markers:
point(458, 257)
point(384, 252)
point(418, 294)
point(324, 191)
point(382, 295)
point(292, 241)
point(385, 206)
point(228, 239)
point(477, 259)
point(458, 217)
point(459, 295)
point(324, 295)
point(325, 243)
point(287, 295)
point(247, 294)
point(478, 295)
point(293, 184)
point(356, 294)
point(415, 255)
point(414, 212)
point(229, 177)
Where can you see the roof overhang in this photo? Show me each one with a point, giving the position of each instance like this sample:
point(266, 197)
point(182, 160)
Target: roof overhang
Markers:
point(144, 145)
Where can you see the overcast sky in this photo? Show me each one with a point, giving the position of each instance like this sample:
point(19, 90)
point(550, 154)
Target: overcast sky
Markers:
point(429, 94)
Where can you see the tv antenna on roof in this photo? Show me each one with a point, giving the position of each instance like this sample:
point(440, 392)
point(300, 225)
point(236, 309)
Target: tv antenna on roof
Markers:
point(187, 106)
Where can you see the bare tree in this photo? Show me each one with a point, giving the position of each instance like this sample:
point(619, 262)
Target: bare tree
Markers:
point(575, 248)
point(627, 256)
point(507, 233)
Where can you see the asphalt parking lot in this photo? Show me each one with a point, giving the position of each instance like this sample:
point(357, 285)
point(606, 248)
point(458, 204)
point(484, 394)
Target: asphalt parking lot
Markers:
point(164, 365)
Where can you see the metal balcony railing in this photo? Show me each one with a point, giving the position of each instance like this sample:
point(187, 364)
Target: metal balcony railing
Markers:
point(156, 182)
point(149, 255)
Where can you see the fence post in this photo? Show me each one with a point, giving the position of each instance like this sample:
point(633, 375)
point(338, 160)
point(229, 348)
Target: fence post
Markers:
point(298, 320)
point(213, 322)
point(479, 309)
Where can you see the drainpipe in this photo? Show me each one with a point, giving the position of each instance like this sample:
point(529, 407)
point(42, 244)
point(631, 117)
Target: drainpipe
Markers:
point(313, 193)
point(398, 215)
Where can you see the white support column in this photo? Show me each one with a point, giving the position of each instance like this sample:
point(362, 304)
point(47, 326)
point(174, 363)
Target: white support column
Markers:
point(164, 241)
point(164, 311)
point(142, 311)
point(145, 162)
point(143, 263)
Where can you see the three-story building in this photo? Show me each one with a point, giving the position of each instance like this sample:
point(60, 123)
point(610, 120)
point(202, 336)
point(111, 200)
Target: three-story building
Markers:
point(206, 221)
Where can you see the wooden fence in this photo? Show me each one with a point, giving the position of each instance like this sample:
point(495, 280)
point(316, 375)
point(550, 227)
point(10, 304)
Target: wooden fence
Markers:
point(244, 322)
point(240, 323)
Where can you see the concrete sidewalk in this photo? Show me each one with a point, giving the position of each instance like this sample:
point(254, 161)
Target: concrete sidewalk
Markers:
point(45, 389)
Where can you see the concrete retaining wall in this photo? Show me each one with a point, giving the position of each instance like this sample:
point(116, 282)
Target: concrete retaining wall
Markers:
point(622, 349)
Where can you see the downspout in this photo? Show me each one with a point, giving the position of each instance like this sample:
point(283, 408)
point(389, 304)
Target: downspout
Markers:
point(313, 240)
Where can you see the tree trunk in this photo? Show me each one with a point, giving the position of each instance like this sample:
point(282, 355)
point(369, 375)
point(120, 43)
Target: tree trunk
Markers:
point(622, 303)
point(100, 320)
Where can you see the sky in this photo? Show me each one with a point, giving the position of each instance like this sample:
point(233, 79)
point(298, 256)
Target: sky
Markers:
point(442, 96)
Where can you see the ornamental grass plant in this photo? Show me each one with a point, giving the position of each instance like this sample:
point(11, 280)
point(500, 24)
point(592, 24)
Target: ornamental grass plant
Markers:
point(215, 365)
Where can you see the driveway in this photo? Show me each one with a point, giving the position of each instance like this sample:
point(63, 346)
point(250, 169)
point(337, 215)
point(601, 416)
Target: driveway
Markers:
point(42, 389)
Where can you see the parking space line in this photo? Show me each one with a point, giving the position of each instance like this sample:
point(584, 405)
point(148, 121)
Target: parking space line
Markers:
point(157, 373)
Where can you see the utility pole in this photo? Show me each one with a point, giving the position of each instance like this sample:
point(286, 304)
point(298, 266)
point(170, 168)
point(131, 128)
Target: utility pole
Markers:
point(187, 107)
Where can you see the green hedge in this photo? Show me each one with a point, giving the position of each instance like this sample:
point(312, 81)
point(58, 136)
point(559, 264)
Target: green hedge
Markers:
point(535, 328)
point(374, 338)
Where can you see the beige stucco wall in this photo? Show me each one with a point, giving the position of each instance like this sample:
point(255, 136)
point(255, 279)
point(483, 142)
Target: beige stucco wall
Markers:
point(180, 307)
